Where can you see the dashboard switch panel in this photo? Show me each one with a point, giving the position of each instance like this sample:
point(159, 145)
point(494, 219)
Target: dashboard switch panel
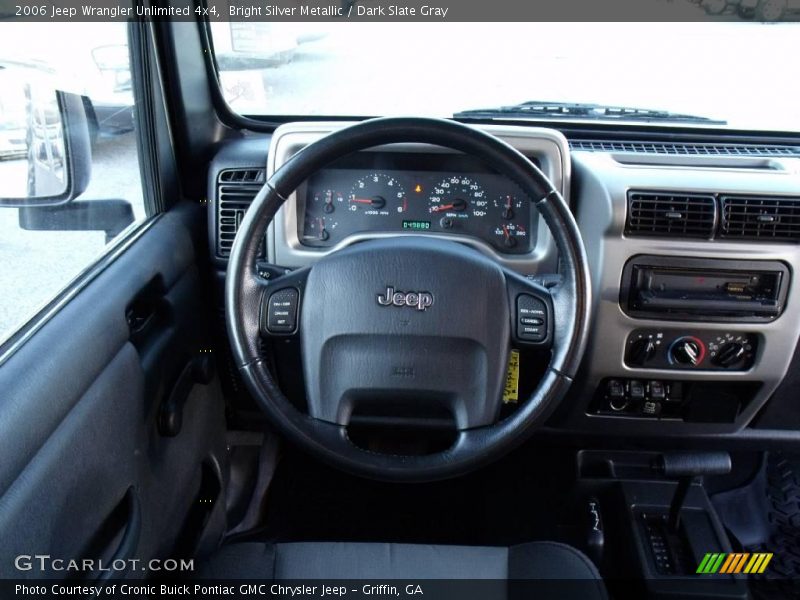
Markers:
point(639, 398)
point(670, 400)
point(687, 350)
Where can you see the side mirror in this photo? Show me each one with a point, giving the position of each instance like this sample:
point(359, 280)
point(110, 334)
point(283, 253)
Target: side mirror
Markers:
point(45, 144)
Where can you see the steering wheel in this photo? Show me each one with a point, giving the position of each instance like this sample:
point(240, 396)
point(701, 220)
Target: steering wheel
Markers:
point(407, 319)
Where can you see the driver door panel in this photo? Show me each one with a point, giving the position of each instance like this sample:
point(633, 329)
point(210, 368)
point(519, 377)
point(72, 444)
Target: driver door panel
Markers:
point(80, 406)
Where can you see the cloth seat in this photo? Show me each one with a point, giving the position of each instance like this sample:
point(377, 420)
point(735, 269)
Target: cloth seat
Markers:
point(550, 569)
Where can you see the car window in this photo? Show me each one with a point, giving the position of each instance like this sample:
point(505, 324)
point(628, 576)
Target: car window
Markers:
point(722, 71)
point(44, 247)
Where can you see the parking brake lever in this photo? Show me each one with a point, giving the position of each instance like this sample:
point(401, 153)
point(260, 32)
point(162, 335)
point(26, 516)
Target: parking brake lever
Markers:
point(686, 467)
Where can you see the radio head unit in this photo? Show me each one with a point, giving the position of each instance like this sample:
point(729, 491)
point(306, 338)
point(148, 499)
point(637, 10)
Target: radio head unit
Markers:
point(676, 288)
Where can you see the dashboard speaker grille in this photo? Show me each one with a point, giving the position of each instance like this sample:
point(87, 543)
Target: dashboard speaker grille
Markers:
point(760, 218)
point(670, 215)
point(236, 189)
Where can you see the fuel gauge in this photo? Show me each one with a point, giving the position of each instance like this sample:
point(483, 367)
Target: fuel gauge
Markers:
point(319, 229)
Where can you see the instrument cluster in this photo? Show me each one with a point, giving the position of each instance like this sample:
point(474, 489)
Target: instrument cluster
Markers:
point(441, 194)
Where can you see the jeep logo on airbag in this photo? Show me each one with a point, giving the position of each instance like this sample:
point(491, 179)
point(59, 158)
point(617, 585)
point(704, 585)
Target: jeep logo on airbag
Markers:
point(418, 300)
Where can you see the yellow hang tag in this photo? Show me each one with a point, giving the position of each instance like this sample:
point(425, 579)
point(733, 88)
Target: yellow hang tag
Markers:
point(511, 392)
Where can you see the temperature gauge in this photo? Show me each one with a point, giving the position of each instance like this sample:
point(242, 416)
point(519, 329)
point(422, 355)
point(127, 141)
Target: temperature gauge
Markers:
point(509, 235)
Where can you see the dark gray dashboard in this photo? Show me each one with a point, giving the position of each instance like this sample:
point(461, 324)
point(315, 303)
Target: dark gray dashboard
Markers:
point(715, 396)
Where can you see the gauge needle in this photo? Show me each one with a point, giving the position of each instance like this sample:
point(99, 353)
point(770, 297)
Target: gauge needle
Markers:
point(505, 231)
point(361, 200)
point(508, 213)
point(323, 233)
point(455, 205)
point(451, 206)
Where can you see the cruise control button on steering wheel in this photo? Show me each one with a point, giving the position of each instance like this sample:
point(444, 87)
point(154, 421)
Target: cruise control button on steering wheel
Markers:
point(281, 313)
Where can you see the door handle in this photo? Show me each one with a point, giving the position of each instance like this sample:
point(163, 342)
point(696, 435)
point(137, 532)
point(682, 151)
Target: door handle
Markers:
point(130, 510)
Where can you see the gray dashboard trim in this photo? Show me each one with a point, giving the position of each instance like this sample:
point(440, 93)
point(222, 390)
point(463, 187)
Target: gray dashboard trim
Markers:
point(549, 146)
point(601, 209)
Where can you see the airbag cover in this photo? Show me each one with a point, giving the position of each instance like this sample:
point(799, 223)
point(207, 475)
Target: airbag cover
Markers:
point(389, 321)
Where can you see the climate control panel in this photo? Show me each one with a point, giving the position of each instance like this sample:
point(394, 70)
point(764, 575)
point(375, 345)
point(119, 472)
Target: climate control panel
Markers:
point(704, 350)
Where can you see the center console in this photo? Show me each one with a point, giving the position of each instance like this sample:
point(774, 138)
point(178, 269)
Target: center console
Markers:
point(658, 527)
point(695, 318)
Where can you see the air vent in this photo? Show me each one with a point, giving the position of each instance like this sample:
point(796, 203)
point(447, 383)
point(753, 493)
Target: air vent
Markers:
point(688, 149)
point(760, 218)
point(236, 189)
point(242, 176)
point(670, 215)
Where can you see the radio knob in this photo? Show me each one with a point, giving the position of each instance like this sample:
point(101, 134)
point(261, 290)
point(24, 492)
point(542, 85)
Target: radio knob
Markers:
point(687, 351)
point(729, 355)
point(641, 351)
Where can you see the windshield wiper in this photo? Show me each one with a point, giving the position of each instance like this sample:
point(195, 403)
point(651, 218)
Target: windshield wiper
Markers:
point(538, 109)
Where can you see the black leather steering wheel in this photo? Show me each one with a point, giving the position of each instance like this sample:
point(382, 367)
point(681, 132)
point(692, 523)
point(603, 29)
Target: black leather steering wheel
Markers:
point(408, 319)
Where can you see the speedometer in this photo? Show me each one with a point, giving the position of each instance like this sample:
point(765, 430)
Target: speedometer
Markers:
point(457, 197)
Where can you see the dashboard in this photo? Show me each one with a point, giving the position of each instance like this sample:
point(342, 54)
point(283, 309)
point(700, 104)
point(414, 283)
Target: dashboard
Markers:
point(423, 193)
point(693, 258)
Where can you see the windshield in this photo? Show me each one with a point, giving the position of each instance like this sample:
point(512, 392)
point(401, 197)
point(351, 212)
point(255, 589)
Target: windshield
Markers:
point(736, 72)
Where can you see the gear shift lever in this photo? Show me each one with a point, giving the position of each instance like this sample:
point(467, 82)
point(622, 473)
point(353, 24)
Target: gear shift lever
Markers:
point(685, 467)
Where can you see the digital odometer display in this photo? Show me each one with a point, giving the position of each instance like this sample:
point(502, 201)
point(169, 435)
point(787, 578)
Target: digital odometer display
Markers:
point(428, 193)
point(416, 225)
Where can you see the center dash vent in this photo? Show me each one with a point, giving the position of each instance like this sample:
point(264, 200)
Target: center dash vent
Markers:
point(236, 189)
point(670, 215)
point(760, 217)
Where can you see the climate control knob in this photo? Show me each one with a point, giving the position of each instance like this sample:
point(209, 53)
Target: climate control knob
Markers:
point(688, 351)
point(729, 355)
point(641, 351)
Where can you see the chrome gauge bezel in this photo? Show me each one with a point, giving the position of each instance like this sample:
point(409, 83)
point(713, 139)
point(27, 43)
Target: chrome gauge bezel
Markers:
point(548, 147)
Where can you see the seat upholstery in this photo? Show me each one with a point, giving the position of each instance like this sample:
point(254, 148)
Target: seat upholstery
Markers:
point(549, 563)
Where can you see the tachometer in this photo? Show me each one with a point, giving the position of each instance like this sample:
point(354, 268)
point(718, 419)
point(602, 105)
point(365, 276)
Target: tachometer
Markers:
point(377, 194)
point(457, 197)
